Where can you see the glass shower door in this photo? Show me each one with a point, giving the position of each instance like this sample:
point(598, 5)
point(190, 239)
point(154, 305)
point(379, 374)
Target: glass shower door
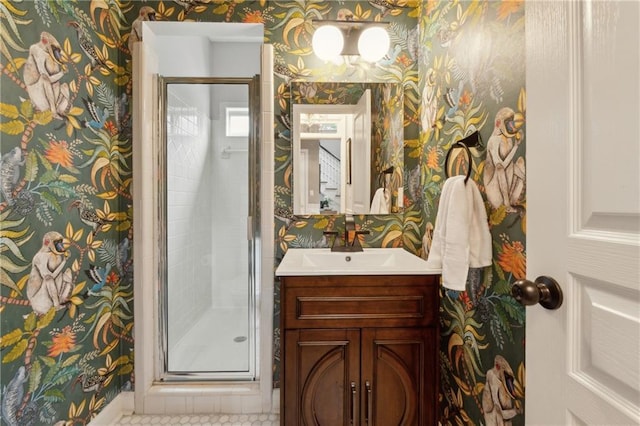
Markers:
point(208, 304)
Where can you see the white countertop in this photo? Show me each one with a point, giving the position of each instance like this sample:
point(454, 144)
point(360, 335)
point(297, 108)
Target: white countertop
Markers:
point(370, 261)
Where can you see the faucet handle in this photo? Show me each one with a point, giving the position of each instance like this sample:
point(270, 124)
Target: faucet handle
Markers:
point(360, 232)
point(356, 241)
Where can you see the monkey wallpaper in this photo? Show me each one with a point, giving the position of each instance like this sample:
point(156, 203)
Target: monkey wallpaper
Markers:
point(66, 230)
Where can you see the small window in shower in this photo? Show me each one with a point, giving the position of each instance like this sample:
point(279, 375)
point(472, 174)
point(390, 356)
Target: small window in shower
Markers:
point(208, 307)
point(237, 123)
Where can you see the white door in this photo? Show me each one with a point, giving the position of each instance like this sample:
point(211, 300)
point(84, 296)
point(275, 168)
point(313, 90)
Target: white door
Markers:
point(302, 184)
point(360, 156)
point(583, 196)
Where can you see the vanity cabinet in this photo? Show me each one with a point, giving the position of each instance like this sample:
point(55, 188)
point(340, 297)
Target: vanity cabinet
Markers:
point(359, 350)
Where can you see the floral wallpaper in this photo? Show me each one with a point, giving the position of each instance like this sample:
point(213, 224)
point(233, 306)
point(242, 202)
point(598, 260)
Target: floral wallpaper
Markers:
point(66, 231)
point(473, 79)
point(65, 215)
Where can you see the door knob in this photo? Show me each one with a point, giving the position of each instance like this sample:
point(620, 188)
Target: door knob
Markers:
point(545, 290)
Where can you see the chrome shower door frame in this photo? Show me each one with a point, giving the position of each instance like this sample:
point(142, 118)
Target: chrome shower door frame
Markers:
point(253, 236)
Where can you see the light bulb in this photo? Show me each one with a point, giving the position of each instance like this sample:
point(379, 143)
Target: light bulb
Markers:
point(373, 44)
point(327, 42)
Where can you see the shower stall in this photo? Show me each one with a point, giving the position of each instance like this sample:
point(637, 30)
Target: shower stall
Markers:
point(203, 243)
point(208, 155)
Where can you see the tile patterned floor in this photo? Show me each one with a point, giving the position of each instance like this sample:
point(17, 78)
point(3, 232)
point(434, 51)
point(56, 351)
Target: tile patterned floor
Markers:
point(202, 420)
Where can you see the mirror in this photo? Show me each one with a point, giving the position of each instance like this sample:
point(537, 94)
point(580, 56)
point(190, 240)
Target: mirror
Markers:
point(348, 147)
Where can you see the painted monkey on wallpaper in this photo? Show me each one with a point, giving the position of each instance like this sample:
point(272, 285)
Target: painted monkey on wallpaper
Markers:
point(12, 397)
point(427, 238)
point(504, 178)
point(42, 73)
point(10, 172)
point(429, 102)
point(146, 13)
point(48, 285)
point(497, 395)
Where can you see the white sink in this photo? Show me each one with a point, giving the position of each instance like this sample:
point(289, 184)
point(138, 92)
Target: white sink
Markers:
point(370, 261)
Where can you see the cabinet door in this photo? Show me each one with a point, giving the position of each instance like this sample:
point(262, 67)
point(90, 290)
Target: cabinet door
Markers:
point(399, 376)
point(321, 377)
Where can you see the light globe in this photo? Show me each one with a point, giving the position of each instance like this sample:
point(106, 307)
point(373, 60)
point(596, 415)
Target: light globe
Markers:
point(373, 44)
point(327, 42)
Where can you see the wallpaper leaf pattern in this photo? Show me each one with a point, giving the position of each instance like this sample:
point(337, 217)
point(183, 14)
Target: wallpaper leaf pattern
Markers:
point(65, 179)
point(473, 80)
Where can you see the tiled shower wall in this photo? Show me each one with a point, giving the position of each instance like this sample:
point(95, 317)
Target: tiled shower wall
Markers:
point(229, 187)
point(230, 181)
point(190, 248)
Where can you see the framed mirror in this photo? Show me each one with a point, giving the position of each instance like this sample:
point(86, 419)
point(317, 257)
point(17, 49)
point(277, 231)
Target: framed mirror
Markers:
point(348, 147)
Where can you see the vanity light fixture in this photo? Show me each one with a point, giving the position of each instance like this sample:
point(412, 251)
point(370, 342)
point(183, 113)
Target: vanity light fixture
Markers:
point(368, 39)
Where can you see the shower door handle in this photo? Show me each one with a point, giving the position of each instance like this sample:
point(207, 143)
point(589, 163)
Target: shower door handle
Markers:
point(250, 228)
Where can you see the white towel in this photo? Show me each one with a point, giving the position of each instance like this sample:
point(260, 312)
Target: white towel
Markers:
point(381, 202)
point(461, 238)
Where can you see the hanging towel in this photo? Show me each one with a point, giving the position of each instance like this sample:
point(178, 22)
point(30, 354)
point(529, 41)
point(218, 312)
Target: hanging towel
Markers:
point(381, 202)
point(461, 237)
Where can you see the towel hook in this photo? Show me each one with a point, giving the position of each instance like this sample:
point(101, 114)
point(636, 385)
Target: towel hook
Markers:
point(384, 177)
point(472, 141)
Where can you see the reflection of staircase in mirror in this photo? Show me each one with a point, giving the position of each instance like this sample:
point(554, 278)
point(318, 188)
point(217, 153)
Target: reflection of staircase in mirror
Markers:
point(329, 179)
point(329, 168)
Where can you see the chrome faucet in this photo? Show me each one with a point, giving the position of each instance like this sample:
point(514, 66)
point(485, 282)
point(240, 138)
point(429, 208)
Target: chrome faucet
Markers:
point(349, 227)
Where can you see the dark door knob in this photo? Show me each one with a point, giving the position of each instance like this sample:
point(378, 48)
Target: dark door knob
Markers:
point(545, 290)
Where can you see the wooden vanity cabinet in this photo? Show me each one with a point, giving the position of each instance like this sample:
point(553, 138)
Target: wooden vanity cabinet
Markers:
point(359, 350)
